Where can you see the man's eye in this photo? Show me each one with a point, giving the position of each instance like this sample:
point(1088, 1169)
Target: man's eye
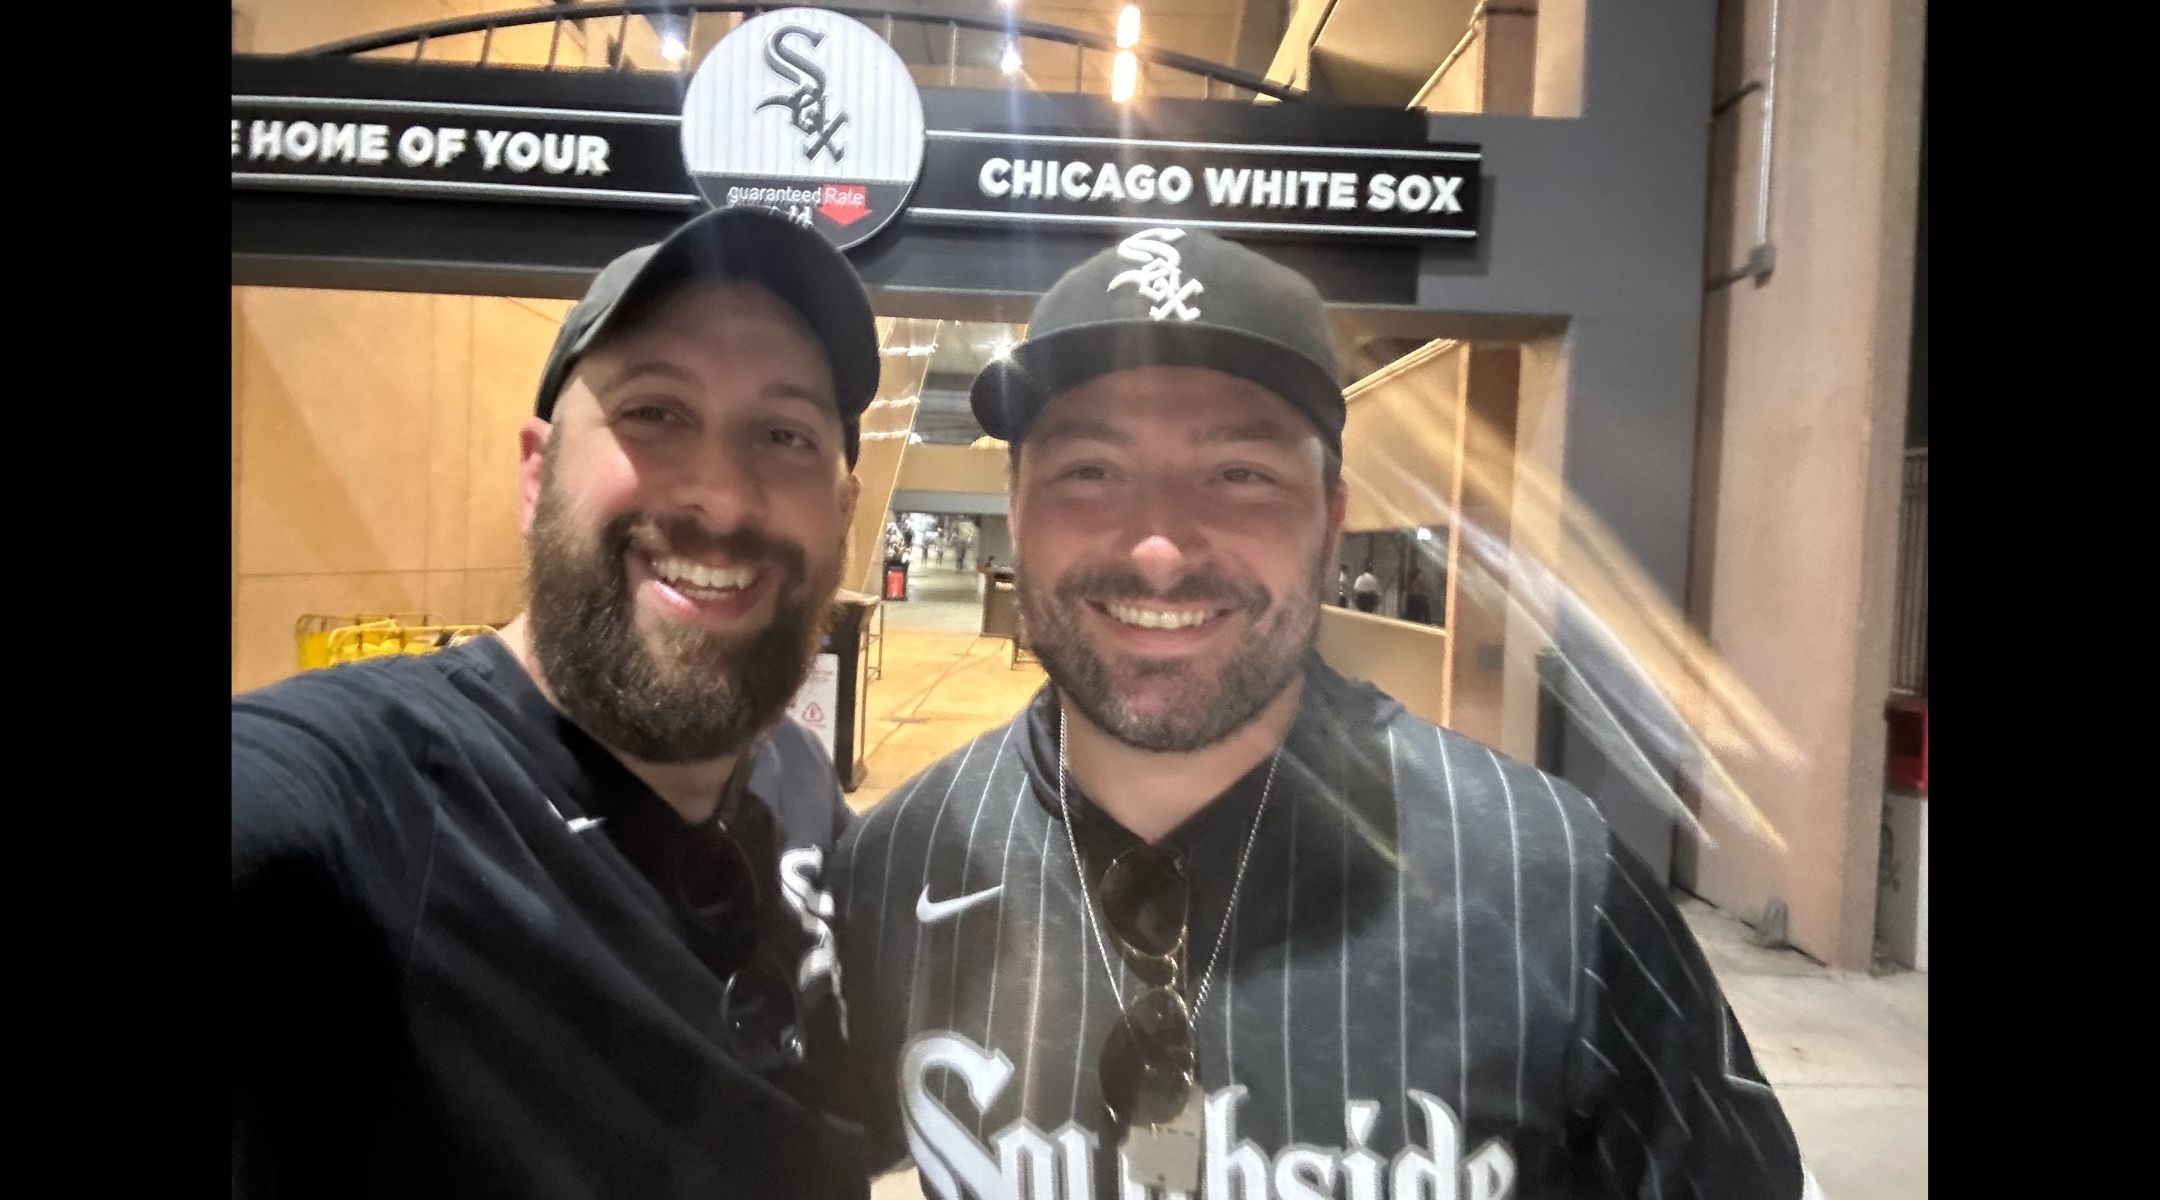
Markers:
point(792, 439)
point(1087, 473)
point(647, 414)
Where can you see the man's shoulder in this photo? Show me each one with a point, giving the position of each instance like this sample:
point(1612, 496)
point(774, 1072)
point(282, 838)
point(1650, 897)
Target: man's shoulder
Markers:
point(910, 809)
point(360, 709)
point(794, 775)
point(1446, 775)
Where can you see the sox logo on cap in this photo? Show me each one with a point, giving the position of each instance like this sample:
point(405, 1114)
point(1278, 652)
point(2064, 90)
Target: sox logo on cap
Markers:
point(1160, 278)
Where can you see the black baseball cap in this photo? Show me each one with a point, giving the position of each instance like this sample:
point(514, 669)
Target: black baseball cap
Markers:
point(1175, 298)
point(761, 246)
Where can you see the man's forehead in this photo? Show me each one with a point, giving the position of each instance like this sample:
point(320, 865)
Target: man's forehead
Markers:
point(1193, 404)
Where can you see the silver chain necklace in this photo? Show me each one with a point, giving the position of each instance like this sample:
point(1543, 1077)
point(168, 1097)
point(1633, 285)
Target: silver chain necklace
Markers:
point(1237, 885)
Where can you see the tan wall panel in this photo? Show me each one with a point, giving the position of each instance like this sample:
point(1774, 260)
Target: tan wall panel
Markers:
point(492, 597)
point(1399, 446)
point(235, 547)
point(449, 459)
point(1803, 390)
point(1558, 91)
point(1404, 660)
point(510, 343)
point(1460, 90)
point(1534, 529)
point(335, 409)
point(444, 593)
point(929, 468)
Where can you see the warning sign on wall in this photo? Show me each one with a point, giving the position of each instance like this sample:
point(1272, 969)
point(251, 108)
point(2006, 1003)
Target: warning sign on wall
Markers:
point(815, 703)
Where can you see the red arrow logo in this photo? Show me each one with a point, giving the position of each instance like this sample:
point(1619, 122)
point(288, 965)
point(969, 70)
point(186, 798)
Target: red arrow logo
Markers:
point(844, 205)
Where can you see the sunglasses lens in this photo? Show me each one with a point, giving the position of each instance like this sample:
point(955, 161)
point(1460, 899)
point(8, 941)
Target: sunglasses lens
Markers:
point(1148, 1065)
point(1145, 899)
point(762, 1016)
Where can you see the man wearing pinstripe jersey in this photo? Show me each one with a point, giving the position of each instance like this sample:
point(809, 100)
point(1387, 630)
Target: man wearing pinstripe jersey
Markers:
point(1407, 966)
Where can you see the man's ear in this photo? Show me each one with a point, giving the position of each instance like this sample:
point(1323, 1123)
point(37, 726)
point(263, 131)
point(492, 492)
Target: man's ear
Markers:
point(532, 464)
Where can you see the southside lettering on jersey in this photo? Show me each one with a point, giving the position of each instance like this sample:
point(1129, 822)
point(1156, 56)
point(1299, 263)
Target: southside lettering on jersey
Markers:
point(1444, 978)
point(1022, 1160)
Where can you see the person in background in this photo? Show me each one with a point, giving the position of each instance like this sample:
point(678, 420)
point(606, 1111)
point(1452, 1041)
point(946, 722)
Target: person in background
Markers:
point(1365, 590)
point(1417, 603)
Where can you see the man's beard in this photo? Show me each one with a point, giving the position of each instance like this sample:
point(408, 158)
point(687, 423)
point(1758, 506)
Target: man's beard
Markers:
point(684, 694)
point(1207, 708)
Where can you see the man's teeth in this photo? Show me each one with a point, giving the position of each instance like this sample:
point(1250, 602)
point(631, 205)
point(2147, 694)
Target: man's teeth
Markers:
point(681, 572)
point(1158, 618)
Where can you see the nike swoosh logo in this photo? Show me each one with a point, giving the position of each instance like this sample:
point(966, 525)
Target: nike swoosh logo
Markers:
point(929, 912)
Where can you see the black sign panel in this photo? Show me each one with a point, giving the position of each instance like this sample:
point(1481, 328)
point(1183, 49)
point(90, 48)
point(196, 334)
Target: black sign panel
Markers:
point(472, 151)
point(1308, 191)
point(506, 152)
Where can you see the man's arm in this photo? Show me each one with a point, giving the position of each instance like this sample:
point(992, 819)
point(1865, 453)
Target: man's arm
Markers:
point(1668, 1100)
point(867, 1083)
point(299, 954)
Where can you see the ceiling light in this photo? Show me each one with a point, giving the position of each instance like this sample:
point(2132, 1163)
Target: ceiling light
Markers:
point(1122, 76)
point(1128, 27)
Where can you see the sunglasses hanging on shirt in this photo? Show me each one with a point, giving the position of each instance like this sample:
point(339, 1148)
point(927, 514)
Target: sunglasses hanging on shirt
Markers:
point(1149, 1067)
point(725, 909)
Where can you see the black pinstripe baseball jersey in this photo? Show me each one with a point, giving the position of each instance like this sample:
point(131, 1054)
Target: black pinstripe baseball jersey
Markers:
point(1443, 977)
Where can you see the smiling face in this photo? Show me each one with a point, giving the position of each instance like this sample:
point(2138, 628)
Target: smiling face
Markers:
point(1174, 527)
point(686, 518)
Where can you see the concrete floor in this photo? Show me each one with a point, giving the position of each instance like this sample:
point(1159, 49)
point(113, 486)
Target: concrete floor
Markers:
point(1847, 1052)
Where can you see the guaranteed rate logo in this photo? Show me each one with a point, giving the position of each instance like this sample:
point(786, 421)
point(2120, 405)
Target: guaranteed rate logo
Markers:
point(808, 112)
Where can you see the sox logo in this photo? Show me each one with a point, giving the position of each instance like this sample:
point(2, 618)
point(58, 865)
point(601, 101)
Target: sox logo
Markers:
point(807, 103)
point(1160, 277)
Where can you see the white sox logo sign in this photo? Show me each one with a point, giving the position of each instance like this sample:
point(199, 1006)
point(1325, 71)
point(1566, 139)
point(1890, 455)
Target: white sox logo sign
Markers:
point(806, 104)
point(838, 146)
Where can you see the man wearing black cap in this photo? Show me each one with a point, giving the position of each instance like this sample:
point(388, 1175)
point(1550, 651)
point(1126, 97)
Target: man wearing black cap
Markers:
point(1209, 918)
point(535, 915)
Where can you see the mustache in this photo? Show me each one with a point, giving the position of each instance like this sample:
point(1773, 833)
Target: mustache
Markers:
point(684, 535)
point(1204, 586)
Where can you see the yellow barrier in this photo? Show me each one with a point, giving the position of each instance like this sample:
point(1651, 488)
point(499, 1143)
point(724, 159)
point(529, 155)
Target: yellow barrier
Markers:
point(376, 636)
point(311, 634)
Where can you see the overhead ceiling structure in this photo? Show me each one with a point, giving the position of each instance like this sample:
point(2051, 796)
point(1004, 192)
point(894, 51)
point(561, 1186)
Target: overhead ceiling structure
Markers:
point(1371, 51)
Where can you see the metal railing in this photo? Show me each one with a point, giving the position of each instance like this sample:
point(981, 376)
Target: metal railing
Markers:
point(1909, 644)
point(1213, 77)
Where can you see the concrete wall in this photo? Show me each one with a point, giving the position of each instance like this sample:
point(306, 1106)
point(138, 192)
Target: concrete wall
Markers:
point(375, 459)
point(994, 541)
point(1804, 390)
